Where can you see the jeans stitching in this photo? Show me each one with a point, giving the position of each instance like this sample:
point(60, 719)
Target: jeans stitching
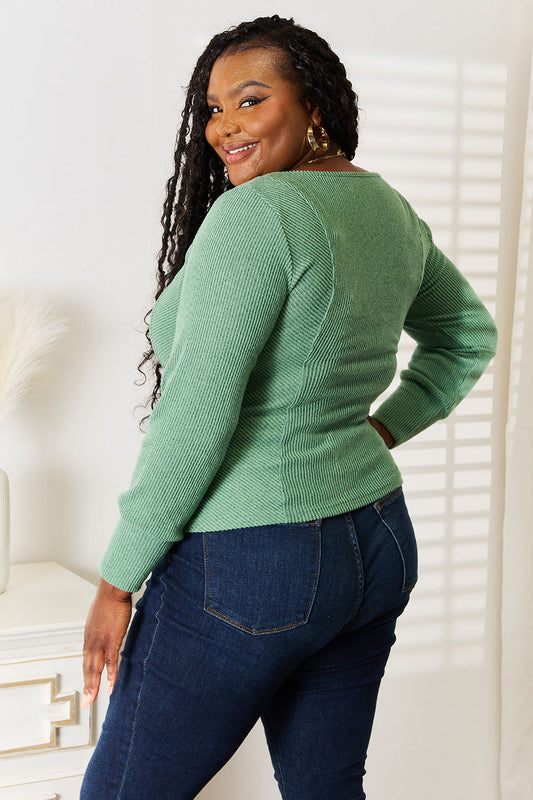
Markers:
point(404, 587)
point(259, 631)
point(207, 572)
point(383, 501)
point(355, 545)
point(141, 688)
point(267, 525)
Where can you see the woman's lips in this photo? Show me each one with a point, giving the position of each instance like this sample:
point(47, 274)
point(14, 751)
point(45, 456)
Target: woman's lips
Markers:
point(239, 152)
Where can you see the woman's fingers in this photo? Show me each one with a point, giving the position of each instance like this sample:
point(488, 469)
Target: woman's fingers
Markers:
point(92, 670)
point(111, 664)
point(106, 626)
point(95, 657)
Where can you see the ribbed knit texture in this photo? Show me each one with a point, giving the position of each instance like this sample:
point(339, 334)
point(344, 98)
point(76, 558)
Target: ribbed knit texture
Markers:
point(276, 336)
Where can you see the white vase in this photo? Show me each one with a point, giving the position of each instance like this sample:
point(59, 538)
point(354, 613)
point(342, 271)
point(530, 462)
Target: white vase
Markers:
point(4, 530)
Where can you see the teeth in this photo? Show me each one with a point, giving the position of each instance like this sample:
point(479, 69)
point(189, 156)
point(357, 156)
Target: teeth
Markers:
point(240, 149)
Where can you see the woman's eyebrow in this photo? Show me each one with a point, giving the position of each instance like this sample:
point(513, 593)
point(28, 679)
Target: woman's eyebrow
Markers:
point(239, 88)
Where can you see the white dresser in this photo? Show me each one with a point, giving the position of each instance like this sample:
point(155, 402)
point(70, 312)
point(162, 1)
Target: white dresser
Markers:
point(45, 738)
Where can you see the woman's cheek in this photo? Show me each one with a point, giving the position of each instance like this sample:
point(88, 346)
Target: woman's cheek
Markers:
point(210, 135)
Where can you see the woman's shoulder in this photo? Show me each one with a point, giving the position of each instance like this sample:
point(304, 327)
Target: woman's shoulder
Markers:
point(261, 186)
point(268, 209)
point(241, 205)
point(282, 192)
point(266, 198)
point(248, 211)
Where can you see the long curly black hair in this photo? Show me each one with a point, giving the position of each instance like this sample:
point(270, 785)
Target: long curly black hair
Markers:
point(305, 59)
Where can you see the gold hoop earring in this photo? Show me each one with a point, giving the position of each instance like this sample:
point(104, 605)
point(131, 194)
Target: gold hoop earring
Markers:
point(317, 139)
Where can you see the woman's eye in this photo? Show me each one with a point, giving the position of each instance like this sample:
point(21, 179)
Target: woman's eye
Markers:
point(251, 101)
point(248, 102)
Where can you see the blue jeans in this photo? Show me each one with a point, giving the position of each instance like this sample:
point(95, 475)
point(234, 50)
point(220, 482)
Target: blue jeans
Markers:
point(290, 623)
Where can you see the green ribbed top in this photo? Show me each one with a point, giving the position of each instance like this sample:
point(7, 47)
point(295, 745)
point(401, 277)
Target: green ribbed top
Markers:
point(276, 336)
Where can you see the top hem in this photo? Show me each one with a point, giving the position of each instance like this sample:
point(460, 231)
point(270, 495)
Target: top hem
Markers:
point(326, 510)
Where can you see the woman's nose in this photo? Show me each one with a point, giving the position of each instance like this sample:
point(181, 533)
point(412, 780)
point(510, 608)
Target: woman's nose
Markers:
point(227, 124)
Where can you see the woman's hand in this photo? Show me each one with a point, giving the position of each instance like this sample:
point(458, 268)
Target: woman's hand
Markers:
point(106, 626)
point(382, 430)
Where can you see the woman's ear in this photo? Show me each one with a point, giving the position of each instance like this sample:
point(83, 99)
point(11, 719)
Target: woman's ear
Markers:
point(314, 113)
point(316, 116)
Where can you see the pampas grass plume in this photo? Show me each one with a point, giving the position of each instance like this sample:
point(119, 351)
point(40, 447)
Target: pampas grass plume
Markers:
point(28, 329)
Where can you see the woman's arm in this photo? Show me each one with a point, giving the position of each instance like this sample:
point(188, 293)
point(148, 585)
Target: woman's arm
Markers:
point(456, 338)
point(235, 282)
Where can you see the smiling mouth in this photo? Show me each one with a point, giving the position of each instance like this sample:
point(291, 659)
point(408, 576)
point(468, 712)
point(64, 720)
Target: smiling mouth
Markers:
point(239, 153)
point(241, 149)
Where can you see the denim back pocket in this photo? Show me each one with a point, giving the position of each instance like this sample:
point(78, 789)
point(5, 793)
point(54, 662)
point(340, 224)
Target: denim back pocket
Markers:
point(394, 515)
point(262, 579)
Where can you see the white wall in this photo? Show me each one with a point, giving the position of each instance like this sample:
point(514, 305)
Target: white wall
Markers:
point(91, 104)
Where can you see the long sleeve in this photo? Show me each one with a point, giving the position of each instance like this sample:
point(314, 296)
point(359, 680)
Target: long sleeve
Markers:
point(456, 338)
point(236, 279)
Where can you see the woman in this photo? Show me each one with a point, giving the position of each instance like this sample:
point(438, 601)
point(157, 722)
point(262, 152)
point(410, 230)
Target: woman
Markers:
point(265, 500)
